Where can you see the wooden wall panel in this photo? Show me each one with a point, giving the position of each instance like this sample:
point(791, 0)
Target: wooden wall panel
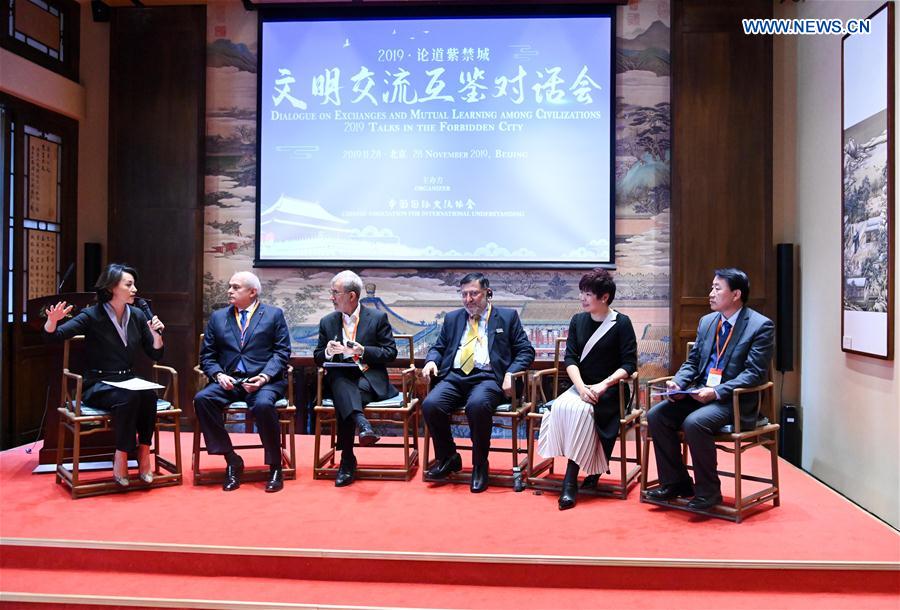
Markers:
point(156, 129)
point(722, 157)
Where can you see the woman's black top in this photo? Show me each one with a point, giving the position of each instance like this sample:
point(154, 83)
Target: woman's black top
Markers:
point(617, 349)
point(107, 356)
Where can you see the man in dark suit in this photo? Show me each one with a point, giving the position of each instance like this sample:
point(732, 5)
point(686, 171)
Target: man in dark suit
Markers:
point(362, 338)
point(479, 348)
point(245, 354)
point(732, 350)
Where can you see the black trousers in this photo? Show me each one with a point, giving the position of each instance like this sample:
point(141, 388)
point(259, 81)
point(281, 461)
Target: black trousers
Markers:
point(133, 412)
point(210, 403)
point(700, 424)
point(350, 391)
point(480, 393)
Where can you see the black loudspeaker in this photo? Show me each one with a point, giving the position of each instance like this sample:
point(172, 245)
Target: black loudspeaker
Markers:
point(790, 445)
point(92, 252)
point(100, 11)
point(784, 329)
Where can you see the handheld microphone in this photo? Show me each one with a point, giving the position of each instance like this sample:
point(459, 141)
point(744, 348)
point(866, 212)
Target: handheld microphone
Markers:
point(65, 277)
point(142, 305)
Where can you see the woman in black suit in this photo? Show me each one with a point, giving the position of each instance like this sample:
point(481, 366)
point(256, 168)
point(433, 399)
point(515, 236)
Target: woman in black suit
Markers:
point(114, 330)
point(583, 423)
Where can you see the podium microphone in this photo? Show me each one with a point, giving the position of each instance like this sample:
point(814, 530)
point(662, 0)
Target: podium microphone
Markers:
point(142, 305)
point(65, 277)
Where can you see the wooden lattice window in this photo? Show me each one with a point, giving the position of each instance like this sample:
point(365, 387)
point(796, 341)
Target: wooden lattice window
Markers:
point(43, 31)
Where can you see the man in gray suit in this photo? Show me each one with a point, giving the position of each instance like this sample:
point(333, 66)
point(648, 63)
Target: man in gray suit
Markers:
point(732, 350)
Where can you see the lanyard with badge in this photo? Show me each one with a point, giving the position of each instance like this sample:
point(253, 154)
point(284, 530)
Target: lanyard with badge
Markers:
point(715, 373)
point(350, 333)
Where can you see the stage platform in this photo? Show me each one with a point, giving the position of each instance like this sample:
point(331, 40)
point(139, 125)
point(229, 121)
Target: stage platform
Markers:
point(391, 544)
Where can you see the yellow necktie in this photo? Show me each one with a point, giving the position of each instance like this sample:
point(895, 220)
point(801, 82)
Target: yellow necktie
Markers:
point(467, 354)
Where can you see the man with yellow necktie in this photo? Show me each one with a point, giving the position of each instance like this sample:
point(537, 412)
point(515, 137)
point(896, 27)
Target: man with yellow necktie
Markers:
point(478, 350)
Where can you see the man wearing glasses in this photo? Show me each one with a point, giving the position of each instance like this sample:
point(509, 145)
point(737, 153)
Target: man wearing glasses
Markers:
point(360, 339)
point(478, 350)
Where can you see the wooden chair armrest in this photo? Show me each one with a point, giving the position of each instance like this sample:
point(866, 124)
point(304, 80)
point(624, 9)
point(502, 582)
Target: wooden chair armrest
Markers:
point(757, 388)
point(289, 371)
point(660, 380)
point(408, 383)
point(736, 402)
point(515, 399)
point(68, 377)
point(171, 391)
point(320, 378)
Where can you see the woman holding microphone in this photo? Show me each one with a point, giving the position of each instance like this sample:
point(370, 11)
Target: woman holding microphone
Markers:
point(114, 331)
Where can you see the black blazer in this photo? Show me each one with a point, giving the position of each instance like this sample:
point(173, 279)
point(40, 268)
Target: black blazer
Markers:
point(266, 349)
point(617, 349)
point(103, 346)
point(745, 362)
point(509, 349)
point(374, 332)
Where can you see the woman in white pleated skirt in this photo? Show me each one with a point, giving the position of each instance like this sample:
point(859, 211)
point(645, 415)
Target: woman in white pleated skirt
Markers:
point(583, 422)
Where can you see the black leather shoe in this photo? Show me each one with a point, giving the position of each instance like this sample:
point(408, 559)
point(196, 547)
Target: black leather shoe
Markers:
point(442, 470)
point(276, 481)
point(367, 436)
point(704, 502)
point(233, 474)
point(684, 489)
point(479, 478)
point(590, 481)
point(569, 496)
point(346, 473)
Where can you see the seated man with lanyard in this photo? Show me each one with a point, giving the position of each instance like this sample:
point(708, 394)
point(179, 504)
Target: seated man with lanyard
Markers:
point(479, 348)
point(358, 339)
point(732, 350)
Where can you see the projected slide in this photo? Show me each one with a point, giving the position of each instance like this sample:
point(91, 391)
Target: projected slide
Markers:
point(436, 140)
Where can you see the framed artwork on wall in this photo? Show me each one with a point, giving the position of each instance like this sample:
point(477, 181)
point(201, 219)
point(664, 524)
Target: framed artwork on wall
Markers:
point(867, 193)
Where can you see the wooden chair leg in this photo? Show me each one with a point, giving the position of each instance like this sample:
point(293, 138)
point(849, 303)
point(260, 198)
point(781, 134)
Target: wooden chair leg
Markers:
point(76, 455)
point(177, 439)
point(645, 455)
point(195, 458)
point(738, 491)
point(60, 448)
point(773, 448)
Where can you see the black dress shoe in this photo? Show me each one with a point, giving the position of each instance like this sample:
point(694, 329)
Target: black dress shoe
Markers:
point(479, 478)
point(276, 481)
point(346, 473)
point(233, 474)
point(367, 436)
point(685, 489)
point(569, 496)
point(590, 481)
point(704, 502)
point(442, 470)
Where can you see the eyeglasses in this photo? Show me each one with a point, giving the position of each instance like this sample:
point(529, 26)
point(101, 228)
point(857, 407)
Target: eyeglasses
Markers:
point(334, 293)
point(471, 294)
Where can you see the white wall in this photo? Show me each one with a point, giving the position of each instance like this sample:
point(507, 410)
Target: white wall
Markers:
point(851, 404)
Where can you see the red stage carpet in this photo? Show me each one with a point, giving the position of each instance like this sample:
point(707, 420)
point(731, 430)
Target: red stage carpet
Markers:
point(414, 544)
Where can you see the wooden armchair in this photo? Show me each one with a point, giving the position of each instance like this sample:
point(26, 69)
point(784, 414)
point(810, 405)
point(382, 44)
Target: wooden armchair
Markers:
point(400, 411)
point(238, 413)
point(630, 468)
point(81, 420)
point(508, 416)
point(733, 440)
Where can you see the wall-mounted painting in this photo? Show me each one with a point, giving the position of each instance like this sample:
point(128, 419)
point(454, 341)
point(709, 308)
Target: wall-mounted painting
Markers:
point(867, 201)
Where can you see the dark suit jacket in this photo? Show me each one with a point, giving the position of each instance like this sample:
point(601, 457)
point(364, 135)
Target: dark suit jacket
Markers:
point(266, 349)
point(103, 346)
point(745, 362)
point(509, 349)
point(374, 332)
